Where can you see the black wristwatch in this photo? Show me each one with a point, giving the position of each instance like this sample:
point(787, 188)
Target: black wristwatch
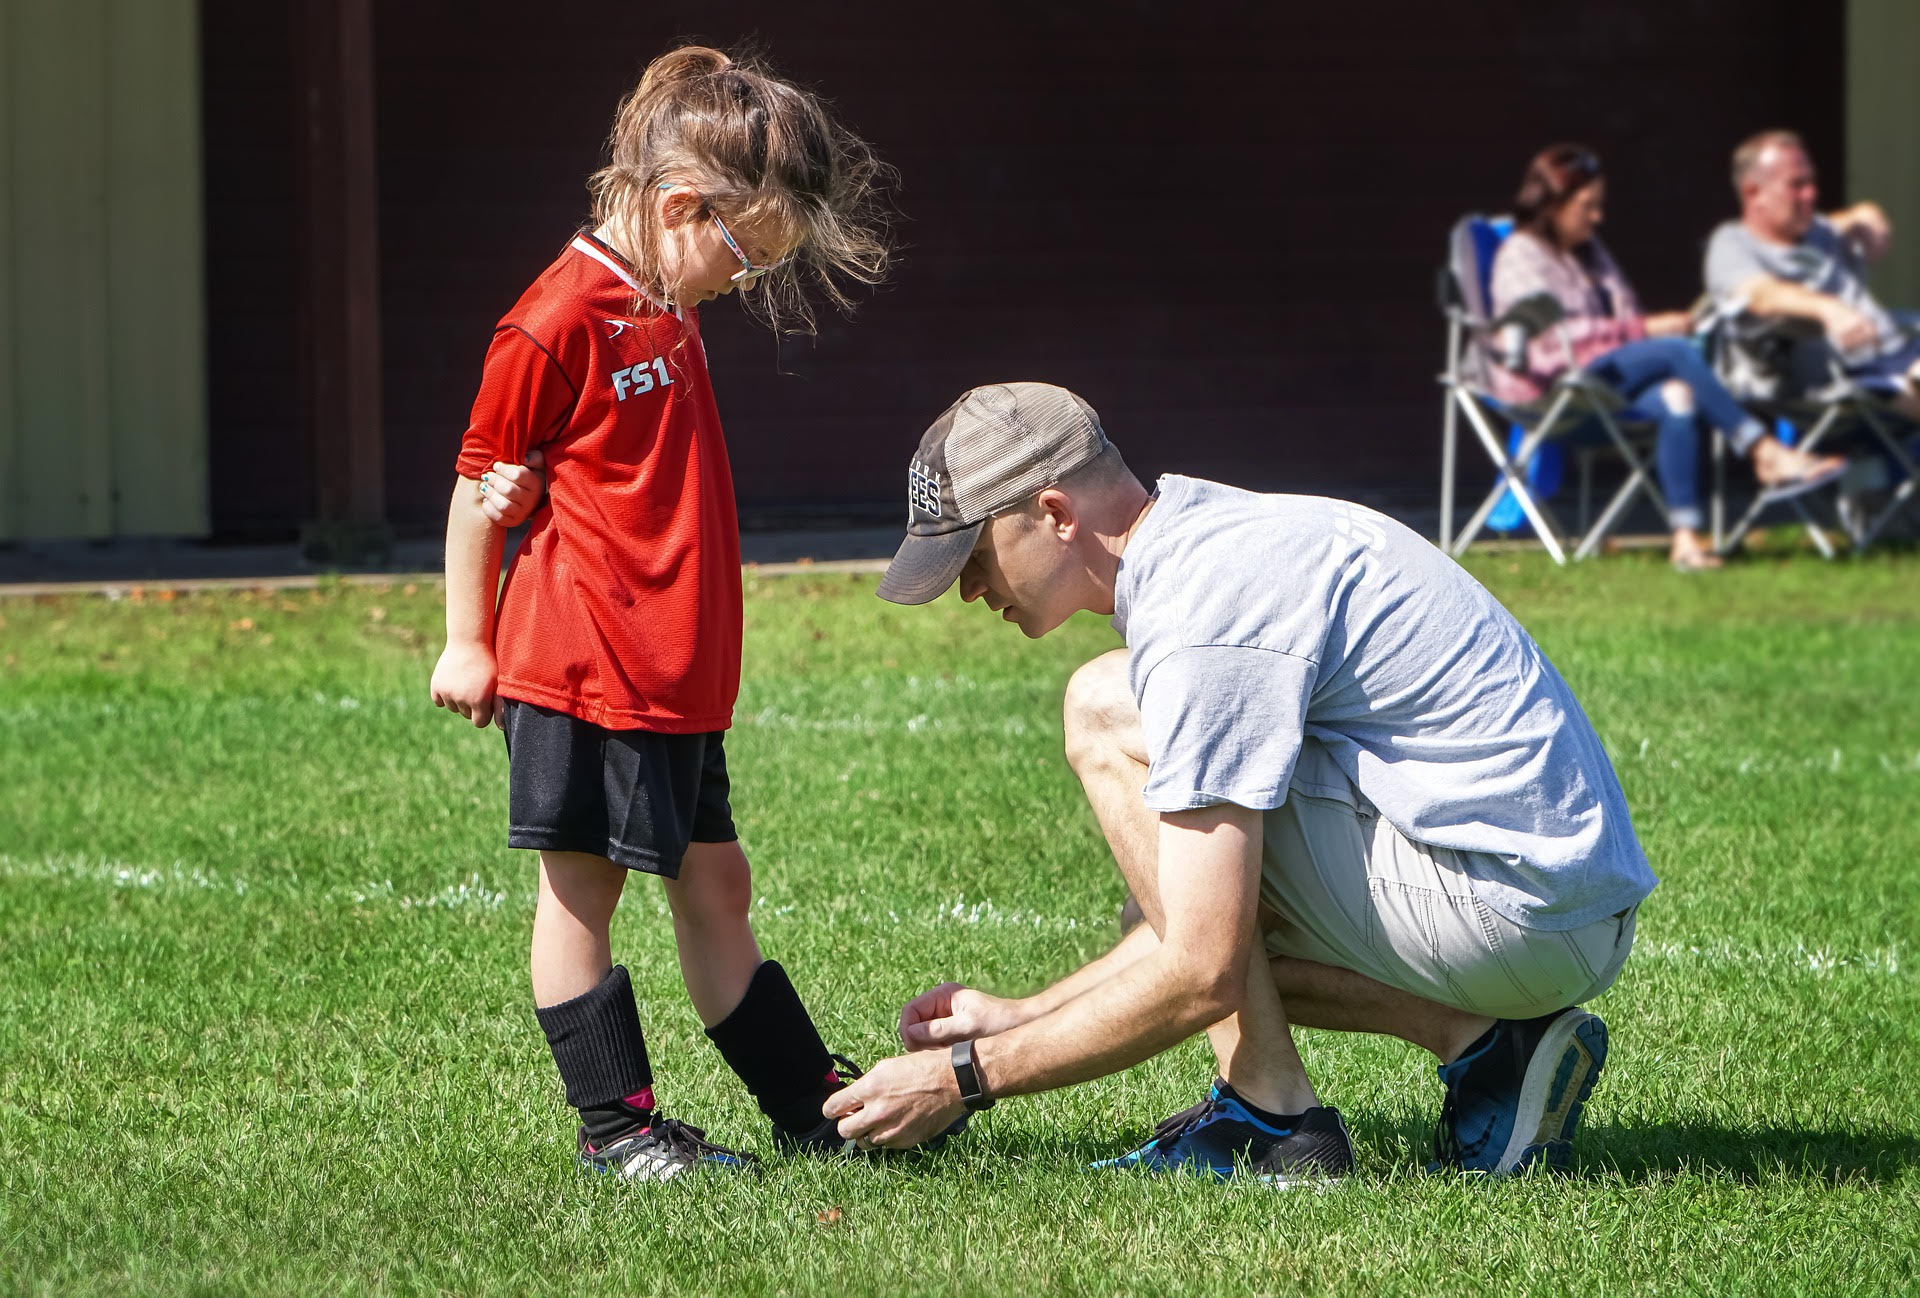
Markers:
point(973, 1091)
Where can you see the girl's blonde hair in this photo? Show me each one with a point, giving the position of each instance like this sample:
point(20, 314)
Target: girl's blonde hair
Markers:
point(755, 147)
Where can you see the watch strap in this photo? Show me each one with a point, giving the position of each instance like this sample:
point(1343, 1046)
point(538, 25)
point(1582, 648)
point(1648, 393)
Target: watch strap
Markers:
point(973, 1089)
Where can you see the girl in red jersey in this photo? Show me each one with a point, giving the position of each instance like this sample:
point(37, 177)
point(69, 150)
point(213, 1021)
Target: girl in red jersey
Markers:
point(614, 659)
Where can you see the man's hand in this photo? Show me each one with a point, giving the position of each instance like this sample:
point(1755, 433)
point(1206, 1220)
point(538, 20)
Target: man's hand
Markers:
point(1867, 225)
point(950, 1012)
point(463, 681)
point(901, 1102)
point(1851, 331)
point(510, 492)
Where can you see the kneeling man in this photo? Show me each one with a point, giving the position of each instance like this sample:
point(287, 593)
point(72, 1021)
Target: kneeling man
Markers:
point(1346, 788)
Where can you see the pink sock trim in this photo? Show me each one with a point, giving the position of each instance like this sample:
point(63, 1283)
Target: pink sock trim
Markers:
point(641, 1099)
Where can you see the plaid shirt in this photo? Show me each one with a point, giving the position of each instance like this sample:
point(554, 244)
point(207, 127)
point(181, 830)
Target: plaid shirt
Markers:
point(1602, 312)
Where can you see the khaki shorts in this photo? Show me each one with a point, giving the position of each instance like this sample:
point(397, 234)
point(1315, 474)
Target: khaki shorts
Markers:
point(1340, 886)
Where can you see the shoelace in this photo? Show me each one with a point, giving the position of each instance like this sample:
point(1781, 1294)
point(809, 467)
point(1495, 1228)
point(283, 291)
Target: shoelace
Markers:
point(1184, 1121)
point(1446, 1141)
point(691, 1142)
point(848, 1070)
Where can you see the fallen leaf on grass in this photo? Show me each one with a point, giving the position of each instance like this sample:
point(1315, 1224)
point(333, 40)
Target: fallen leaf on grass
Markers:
point(831, 1217)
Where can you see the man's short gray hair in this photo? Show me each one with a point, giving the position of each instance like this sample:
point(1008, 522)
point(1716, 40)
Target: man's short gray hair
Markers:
point(1750, 150)
point(1103, 470)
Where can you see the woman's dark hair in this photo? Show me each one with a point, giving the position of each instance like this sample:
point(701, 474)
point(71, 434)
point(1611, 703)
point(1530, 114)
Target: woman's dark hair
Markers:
point(1555, 175)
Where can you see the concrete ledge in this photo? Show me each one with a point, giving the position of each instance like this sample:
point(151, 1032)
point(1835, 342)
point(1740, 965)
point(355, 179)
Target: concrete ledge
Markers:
point(311, 580)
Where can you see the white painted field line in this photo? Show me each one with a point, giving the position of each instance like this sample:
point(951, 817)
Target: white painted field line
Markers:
point(471, 893)
point(464, 894)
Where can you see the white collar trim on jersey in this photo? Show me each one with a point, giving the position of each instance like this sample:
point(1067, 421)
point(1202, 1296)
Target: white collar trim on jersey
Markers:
point(581, 244)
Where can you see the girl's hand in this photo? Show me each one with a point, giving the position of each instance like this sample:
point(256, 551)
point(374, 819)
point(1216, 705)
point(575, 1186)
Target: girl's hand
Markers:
point(510, 492)
point(463, 681)
point(950, 1013)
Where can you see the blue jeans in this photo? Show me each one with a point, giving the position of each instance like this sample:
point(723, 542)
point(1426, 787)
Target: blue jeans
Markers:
point(1636, 371)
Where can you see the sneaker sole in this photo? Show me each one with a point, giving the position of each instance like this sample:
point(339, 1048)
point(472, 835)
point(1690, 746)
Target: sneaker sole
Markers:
point(1559, 1080)
point(1316, 1182)
point(656, 1171)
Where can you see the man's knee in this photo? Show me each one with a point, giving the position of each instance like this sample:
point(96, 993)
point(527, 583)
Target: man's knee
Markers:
point(1101, 718)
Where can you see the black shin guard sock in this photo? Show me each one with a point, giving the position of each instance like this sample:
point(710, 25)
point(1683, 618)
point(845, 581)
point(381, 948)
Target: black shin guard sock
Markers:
point(774, 1047)
point(602, 1057)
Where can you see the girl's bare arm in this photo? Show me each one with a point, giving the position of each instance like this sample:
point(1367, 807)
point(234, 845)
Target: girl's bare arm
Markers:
point(464, 678)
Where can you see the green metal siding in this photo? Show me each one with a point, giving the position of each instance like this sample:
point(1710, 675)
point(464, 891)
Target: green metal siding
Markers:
point(103, 422)
point(1883, 133)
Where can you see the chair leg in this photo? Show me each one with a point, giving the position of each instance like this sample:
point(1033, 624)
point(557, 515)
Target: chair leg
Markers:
point(1717, 507)
point(1871, 531)
point(1513, 478)
point(1829, 419)
point(1586, 491)
point(1871, 528)
point(1814, 530)
point(1449, 457)
point(1639, 479)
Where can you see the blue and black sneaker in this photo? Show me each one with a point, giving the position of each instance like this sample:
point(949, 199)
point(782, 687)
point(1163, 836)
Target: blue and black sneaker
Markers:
point(1220, 1137)
point(1514, 1098)
point(661, 1151)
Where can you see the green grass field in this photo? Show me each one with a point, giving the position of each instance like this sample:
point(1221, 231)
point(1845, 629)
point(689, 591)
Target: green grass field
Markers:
point(264, 1022)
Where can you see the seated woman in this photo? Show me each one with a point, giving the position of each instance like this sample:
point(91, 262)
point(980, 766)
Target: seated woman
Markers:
point(1646, 358)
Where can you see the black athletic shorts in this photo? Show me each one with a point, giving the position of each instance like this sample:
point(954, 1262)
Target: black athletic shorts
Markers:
point(633, 796)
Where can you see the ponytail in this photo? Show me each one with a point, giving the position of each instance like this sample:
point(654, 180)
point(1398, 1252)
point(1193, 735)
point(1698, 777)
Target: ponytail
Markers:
point(755, 147)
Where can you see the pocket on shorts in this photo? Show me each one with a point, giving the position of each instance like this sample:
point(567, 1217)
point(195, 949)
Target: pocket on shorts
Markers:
point(1549, 970)
point(1427, 941)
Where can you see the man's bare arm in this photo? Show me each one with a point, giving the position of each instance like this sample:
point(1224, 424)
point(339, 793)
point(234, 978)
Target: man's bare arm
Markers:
point(1772, 298)
point(951, 1012)
point(1192, 978)
point(1141, 942)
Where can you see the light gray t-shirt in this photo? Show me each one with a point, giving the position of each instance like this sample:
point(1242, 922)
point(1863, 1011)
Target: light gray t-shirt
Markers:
point(1821, 261)
point(1253, 620)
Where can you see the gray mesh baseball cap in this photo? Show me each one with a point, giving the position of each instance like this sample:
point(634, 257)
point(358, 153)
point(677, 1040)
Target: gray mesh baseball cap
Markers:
point(990, 450)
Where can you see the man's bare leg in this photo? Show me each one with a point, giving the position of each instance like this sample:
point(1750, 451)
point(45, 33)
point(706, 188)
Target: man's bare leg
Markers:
point(1340, 1000)
point(1107, 750)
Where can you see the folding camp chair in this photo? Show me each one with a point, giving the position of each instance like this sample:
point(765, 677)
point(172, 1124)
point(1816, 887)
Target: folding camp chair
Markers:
point(1575, 404)
point(1751, 356)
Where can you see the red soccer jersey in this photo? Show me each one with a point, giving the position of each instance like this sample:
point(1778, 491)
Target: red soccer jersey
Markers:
point(623, 606)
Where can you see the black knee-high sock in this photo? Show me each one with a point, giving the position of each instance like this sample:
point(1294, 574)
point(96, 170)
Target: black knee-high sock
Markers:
point(602, 1057)
point(772, 1044)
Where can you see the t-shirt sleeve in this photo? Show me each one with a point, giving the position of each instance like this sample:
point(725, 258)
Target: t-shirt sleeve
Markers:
point(1512, 278)
point(524, 400)
point(1732, 264)
point(1223, 723)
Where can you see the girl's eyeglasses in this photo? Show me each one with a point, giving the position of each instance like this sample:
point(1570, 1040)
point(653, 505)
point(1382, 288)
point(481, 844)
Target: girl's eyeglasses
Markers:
point(748, 271)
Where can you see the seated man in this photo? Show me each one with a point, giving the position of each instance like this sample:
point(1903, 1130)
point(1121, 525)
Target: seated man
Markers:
point(1782, 259)
point(1346, 788)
